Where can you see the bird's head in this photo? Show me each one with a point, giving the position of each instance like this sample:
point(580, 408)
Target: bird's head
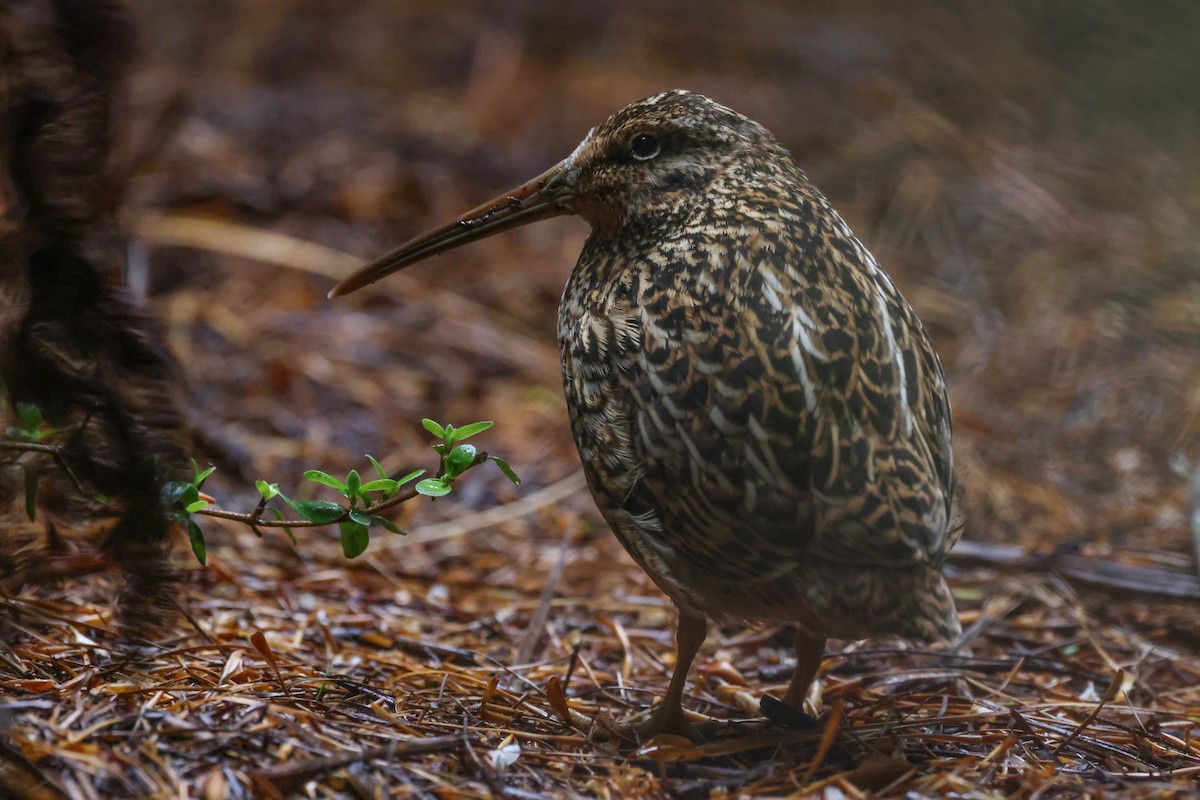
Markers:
point(654, 157)
point(645, 162)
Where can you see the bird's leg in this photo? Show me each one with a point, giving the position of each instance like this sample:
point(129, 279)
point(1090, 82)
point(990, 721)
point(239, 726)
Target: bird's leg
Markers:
point(809, 652)
point(668, 717)
point(790, 710)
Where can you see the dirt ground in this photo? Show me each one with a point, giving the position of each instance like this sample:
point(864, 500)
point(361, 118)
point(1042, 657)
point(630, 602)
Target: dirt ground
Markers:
point(1027, 172)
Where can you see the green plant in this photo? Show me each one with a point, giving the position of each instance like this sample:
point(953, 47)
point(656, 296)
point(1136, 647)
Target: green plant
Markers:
point(27, 436)
point(358, 511)
point(182, 499)
point(361, 501)
point(32, 427)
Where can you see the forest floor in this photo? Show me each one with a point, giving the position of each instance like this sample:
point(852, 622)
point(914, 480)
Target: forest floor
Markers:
point(1031, 180)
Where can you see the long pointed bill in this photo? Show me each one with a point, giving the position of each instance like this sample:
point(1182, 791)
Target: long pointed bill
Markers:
point(547, 195)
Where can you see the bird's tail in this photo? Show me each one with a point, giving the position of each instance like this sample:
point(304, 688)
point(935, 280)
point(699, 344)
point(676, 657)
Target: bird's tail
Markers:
point(932, 617)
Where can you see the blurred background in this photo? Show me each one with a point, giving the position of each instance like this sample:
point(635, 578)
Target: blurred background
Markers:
point(1027, 172)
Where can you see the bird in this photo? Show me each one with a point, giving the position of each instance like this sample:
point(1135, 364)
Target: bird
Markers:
point(762, 419)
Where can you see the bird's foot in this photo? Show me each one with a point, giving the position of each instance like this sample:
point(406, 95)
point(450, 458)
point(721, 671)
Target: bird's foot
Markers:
point(637, 732)
point(783, 713)
point(665, 720)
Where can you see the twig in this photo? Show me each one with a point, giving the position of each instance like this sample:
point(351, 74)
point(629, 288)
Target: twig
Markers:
point(827, 739)
point(279, 249)
point(537, 620)
point(1113, 687)
point(32, 447)
point(1194, 512)
point(55, 451)
point(54, 568)
point(286, 778)
point(500, 514)
point(20, 777)
point(256, 521)
point(1095, 572)
point(484, 771)
point(219, 236)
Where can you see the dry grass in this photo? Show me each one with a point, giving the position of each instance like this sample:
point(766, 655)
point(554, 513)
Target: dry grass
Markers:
point(388, 678)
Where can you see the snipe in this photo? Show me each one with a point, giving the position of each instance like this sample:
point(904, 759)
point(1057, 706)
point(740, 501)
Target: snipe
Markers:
point(760, 415)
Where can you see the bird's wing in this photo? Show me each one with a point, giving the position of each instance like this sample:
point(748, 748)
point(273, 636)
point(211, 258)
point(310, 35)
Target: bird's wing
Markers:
point(810, 404)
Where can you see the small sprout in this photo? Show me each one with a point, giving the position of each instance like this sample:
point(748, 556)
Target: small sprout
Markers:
point(269, 491)
point(32, 425)
point(30, 416)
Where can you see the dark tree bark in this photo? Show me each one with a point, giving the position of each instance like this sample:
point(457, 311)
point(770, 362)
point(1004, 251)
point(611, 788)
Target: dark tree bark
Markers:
point(73, 342)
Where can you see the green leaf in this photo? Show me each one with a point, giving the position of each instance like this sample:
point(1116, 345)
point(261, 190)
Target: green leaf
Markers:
point(389, 525)
point(201, 477)
point(31, 423)
point(23, 434)
point(30, 416)
point(196, 536)
point(355, 538)
point(193, 507)
point(30, 429)
point(385, 485)
point(279, 515)
point(30, 492)
point(460, 460)
point(268, 491)
point(416, 473)
point(434, 487)
point(361, 517)
point(378, 467)
point(467, 431)
point(321, 512)
point(353, 484)
point(178, 492)
point(506, 469)
point(434, 428)
point(324, 478)
point(173, 492)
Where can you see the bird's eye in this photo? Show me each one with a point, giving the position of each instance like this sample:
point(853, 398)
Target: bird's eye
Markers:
point(644, 146)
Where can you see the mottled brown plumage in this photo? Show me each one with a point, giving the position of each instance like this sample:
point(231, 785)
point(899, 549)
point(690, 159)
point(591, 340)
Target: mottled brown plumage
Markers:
point(760, 415)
